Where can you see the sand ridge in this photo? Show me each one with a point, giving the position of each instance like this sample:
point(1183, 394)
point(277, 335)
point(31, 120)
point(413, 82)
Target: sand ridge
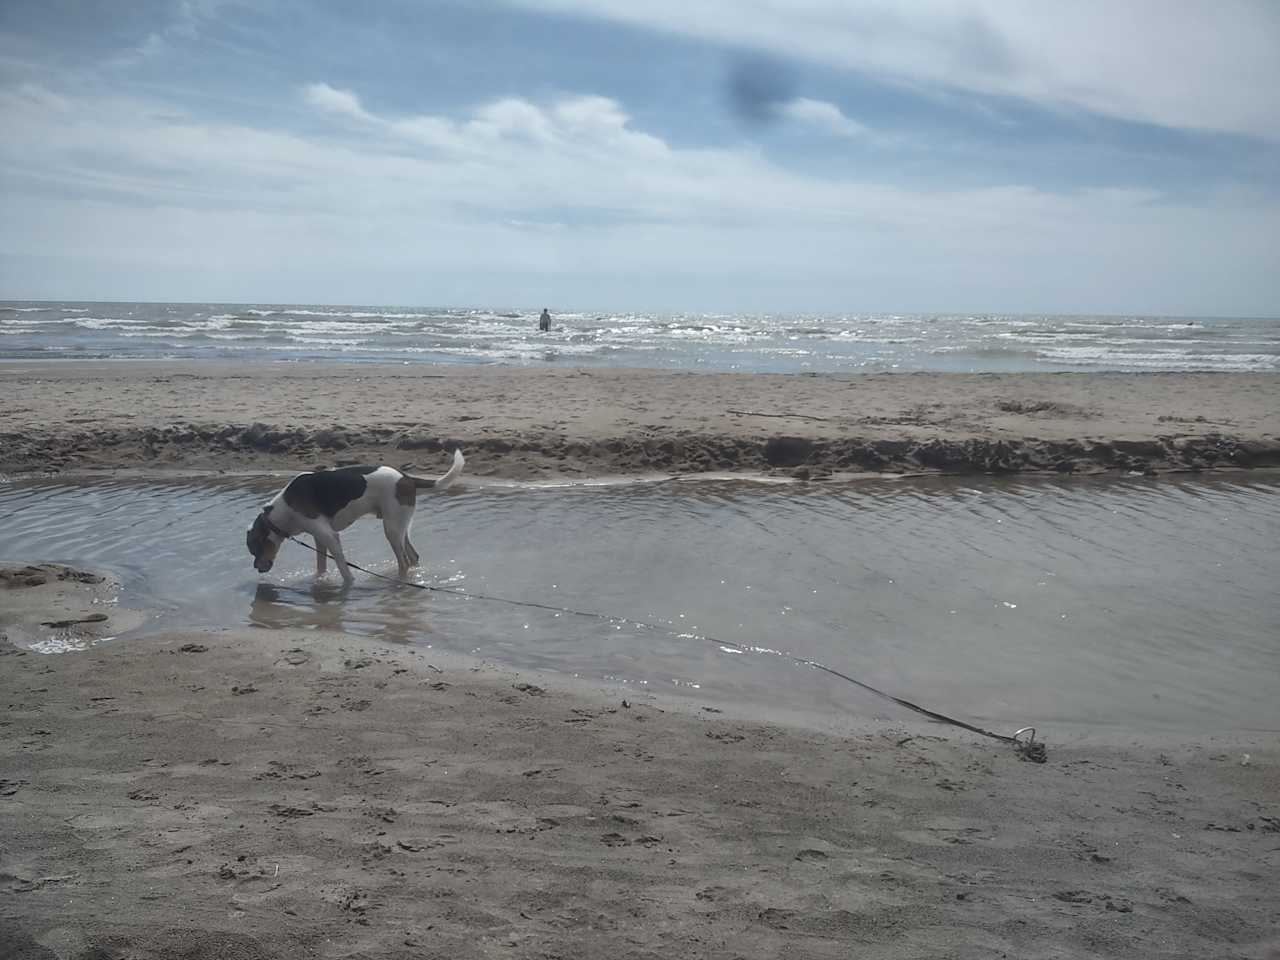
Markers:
point(534, 423)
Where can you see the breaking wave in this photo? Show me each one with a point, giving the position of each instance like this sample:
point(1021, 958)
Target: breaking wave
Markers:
point(693, 341)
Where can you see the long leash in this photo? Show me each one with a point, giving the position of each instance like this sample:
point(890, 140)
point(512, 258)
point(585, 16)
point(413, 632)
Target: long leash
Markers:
point(1023, 741)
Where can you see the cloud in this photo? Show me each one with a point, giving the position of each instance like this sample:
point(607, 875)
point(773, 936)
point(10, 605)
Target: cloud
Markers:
point(573, 124)
point(185, 19)
point(819, 113)
point(32, 96)
point(1194, 66)
point(568, 191)
point(332, 100)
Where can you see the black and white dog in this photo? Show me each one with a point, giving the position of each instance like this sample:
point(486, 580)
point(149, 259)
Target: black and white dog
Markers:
point(326, 501)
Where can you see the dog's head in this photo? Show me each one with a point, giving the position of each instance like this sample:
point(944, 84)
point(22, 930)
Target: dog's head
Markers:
point(263, 542)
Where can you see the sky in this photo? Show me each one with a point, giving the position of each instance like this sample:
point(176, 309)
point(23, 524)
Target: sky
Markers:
point(838, 156)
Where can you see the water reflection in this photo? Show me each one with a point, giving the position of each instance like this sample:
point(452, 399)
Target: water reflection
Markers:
point(326, 604)
point(316, 606)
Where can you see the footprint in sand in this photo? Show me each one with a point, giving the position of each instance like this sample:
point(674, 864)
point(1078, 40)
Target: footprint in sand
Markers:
point(811, 856)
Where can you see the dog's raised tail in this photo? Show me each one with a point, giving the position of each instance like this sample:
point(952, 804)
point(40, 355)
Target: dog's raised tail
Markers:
point(442, 483)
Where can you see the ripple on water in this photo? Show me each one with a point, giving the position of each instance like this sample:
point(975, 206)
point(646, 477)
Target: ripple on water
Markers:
point(1136, 603)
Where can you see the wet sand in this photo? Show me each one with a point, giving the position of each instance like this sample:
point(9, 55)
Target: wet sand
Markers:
point(567, 423)
point(280, 794)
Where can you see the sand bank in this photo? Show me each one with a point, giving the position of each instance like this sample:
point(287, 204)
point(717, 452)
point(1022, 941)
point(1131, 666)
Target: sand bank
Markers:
point(273, 794)
point(566, 423)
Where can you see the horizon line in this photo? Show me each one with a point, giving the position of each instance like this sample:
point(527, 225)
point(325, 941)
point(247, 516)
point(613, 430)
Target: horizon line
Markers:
point(564, 310)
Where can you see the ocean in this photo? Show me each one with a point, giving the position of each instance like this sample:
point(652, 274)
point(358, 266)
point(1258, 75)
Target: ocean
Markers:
point(766, 343)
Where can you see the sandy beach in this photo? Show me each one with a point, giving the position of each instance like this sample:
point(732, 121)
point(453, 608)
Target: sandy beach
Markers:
point(566, 423)
point(811, 490)
point(296, 793)
point(279, 794)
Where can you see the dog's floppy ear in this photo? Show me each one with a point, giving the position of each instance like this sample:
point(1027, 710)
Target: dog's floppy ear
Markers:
point(255, 537)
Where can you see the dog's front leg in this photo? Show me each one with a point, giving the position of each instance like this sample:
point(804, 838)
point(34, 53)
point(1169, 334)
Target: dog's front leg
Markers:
point(334, 546)
point(322, 557)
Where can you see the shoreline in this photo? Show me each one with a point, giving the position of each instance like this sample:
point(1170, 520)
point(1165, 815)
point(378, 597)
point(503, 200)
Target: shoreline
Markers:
point(78, 598)
point(536, 424)
point(303, 793)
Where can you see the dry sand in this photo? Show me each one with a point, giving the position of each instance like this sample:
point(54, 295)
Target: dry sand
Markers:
point(520, 424)
point(288, 794)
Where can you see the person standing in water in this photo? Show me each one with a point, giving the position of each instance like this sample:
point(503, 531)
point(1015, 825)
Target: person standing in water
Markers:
point(544, 321)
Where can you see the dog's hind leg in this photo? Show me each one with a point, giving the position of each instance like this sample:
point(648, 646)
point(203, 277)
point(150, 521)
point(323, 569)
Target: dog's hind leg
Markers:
point(397, 535)
point(409, 549)
point(322, 558)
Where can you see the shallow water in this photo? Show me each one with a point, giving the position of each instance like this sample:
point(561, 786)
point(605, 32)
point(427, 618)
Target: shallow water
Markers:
point(1138, 603)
